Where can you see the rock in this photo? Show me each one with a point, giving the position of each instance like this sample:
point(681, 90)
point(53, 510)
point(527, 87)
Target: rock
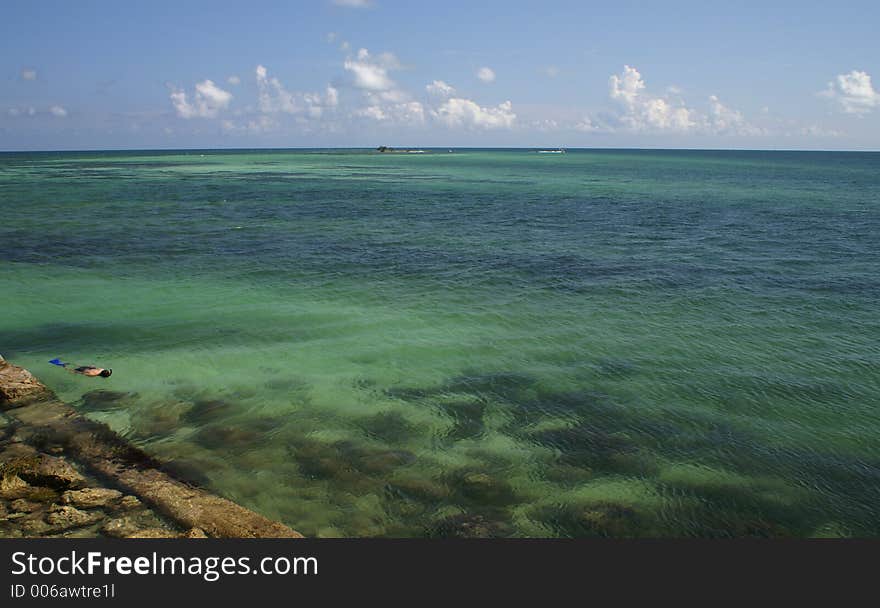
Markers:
point(34, 526)
point(90, 497)
point(13, 486)
point(24, 506)
point(19, 387)
point(195, 533)
point(3, 511)
point(119, 528)
point(40, 494)
point(129, 503)
point(53, 472)
point(154, 533)
point(63, 517)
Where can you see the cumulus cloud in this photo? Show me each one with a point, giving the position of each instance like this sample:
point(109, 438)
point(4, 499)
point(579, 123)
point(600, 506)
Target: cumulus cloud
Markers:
point(207, 102)
point(371, 73)
point(233, 80)
point(28, 74)
point(551, 71)
point(58, 111)
point(723, 120)
point(458, 112)
point(408, 113)
point(486, 74)
point(854, 92)
point(273, 97)
point(440, 89)
point(643, 111)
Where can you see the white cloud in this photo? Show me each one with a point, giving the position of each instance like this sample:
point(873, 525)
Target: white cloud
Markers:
point(646, 112)
point(726, 121)
point(58, 111)
point(551, 71)
point(486, 74)
point(233, 80)
point(854, 92)
point(643, 111)
point(817, 131)
point(588, 125)
point(28, 74)
point(409, 113)
point(371, 73)
point(31, 111)
point(273, 97)
point(440, 89)
point(13, 111)
point(458, 112)
point(207, 102)
point(353, 3)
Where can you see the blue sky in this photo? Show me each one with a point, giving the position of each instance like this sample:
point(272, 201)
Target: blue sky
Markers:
point(93, 74)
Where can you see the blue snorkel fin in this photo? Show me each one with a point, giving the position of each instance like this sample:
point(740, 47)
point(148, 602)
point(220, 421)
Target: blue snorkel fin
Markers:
point(57, 362)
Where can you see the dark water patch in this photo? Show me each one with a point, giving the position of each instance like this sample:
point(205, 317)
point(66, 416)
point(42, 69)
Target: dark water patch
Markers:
point(585, 445)
point(204, 411)
point(224, 438)
point(103, 400)
point(482, 385)
point(194, 473)
point(567, 475)
point(158, 419)
point(390, 427)
point(481, 491)
point(426, 490)
point(467, 419)
point(842, 485)
point(344, 460)
point(541, 403)
point(598, 519)
point(468, 525)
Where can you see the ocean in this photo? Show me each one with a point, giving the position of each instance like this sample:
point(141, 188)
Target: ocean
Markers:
point(470, 342)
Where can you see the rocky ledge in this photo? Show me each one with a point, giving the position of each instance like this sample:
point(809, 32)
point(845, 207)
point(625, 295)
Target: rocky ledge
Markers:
point(63, 475)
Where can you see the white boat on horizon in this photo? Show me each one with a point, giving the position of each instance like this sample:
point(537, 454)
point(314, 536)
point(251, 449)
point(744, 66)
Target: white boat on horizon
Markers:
point(556, 151)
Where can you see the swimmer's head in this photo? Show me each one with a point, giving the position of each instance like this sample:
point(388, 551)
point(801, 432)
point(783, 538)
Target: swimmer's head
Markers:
point(106, 373)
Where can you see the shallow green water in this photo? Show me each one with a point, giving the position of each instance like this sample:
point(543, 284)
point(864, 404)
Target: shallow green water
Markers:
point(484, 342)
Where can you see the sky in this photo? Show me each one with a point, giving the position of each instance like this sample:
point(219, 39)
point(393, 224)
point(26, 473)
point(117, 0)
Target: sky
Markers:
point(362, 73)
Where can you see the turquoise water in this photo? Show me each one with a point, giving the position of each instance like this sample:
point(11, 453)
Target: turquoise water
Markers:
point(483, 342)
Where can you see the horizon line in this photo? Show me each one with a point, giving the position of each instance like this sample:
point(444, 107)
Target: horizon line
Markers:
point(270, 148)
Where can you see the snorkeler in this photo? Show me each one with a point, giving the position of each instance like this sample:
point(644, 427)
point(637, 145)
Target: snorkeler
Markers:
point(85, 370)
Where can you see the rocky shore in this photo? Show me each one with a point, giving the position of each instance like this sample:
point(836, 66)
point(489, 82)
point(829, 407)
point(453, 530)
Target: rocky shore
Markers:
point(63, 475)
